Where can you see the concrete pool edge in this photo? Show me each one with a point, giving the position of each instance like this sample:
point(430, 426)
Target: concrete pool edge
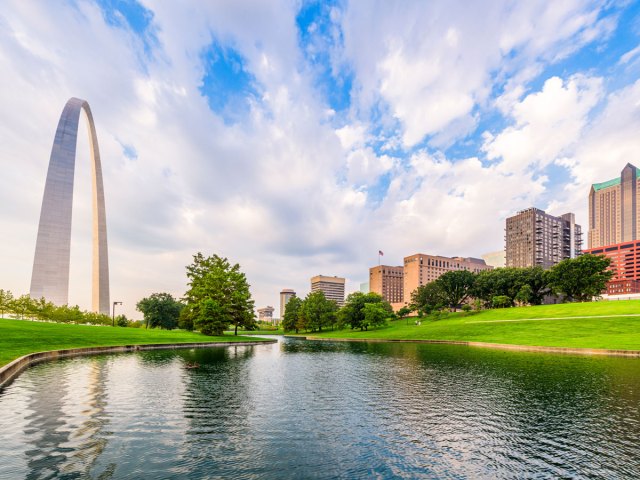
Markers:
point(13, 369)
point(497, 346)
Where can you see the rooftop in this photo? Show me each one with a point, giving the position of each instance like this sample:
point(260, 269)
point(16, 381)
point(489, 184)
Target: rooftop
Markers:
point(607, 184)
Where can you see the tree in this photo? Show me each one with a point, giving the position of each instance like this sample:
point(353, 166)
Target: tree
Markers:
point(160, 310)
point(317, 311)
point(214, 278)
point(456, 286)
point(581, 278)
point(375, 314)
point(6, 299)
point(427, 298)
point(22, 305)
point(352, 313)
point(500, 301)
point(291, 312)
point(212, 318)
point(122, 320)
point(524, 295)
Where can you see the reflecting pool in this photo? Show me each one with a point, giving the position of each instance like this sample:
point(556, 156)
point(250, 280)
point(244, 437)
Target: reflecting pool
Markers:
point(301, 409)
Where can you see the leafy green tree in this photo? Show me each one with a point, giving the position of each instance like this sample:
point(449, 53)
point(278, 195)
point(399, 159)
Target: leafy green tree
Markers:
point(500, 301)
point(581, 278)
point(525, 294)
point(186, 319)
point(214, 278)
point(427, 298)
point(160, 310)
point(456, 286)
point(212, 318)
point(122, 320)
point(538, 281)
point(22, 305)
point(6, 300)
point(317, 311)
point(404, 311)
point(376, 314)
point(352, 313)
point(291, 313)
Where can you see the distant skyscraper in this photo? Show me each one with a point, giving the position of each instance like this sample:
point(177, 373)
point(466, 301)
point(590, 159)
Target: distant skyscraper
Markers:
point(332, 287)
point(285, 295)
point(613, 212)
point(420, 269)
point(388, 282)
point(535, 238)
point(50, 277)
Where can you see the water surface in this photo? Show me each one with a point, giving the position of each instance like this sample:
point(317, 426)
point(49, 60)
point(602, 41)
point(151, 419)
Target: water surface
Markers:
point(301, 409)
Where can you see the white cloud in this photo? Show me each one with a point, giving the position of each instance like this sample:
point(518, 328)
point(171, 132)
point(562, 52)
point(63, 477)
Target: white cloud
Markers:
point(546, 123)
point(434, 62)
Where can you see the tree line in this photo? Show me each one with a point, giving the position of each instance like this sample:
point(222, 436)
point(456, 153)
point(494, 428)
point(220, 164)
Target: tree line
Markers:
point(575, 279)
point(24, 307)
point(315, 312)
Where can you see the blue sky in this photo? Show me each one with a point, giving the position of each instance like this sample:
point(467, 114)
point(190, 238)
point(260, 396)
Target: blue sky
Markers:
point(301, 137)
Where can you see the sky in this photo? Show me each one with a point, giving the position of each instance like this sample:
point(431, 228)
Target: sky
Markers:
point(299, 138)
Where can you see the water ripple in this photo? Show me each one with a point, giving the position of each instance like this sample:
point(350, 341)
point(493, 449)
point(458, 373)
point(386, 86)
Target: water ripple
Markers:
point(324, 410)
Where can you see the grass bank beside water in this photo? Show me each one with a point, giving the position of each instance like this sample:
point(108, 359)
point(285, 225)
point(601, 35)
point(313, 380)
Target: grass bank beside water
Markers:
point(602, 325)
point(21, 337)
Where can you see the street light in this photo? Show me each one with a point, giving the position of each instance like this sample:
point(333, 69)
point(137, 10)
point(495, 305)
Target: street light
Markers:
point(113, 314)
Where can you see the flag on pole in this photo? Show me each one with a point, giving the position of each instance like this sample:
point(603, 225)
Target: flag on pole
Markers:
point(380, 252)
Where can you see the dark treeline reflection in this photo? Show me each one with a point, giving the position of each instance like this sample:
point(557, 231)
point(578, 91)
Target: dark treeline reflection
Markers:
point(303, 409)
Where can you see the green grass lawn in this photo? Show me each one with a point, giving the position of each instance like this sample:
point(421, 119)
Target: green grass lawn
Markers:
point(605, 330)
point(20, 337)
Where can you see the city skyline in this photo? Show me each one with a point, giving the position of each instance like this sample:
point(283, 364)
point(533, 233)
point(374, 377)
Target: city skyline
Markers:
point(296, 138)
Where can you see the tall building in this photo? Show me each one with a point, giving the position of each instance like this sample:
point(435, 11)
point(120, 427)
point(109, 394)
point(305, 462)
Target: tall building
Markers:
point(613, 212)
point(420, 269)
point(285, 295)
point(266, 314)
point(388, 282)
point(535, 238)
point(332, 287)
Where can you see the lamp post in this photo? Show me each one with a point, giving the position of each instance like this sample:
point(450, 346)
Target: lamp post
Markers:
point(113, 314)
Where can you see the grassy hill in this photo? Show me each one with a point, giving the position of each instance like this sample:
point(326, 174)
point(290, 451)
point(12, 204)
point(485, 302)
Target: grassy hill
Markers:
point(20, 337)
point(611, 325)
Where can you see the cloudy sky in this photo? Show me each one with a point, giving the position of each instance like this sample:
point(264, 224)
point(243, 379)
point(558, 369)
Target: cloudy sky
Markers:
point(301, 137)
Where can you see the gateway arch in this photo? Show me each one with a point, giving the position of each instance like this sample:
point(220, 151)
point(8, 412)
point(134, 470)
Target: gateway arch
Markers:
point(50, 277)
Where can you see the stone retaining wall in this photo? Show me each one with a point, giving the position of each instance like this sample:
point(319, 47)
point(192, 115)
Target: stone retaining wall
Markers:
point(10, 371)
point(501, 346)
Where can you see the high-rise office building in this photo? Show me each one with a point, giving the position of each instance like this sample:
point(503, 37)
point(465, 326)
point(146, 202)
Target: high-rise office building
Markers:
point(285, 295)
point(420, 269)
point(332, 287)
point(613, 212)
point(388, 282)
point(535, 238)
